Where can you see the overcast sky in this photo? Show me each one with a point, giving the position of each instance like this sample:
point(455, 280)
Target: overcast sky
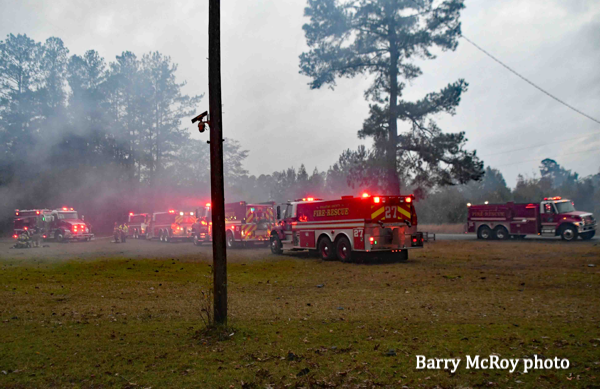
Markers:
point(270, 109)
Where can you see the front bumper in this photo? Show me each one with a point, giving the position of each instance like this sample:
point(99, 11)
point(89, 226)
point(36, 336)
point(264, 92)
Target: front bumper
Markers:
point(583, 228)
point(71, 236)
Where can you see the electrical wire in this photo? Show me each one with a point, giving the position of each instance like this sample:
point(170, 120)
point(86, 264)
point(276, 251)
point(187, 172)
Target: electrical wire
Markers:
point(537, 159)
point(544, 144)
point(520, 76)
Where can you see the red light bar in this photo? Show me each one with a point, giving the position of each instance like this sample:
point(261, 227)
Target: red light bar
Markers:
point(171, 211)
point(65, 209)
point(408, 199)
point(130, 213)
point(365, 195)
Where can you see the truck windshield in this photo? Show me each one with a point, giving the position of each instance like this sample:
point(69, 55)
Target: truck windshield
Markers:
point(67, 215)
point(564, 207)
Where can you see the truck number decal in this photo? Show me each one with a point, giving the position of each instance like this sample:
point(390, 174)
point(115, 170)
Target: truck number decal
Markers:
point(358, 233)
point(388, 212)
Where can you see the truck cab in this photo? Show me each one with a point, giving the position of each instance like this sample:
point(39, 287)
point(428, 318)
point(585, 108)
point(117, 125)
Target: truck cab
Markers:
point(64, 224)
point(558, 217)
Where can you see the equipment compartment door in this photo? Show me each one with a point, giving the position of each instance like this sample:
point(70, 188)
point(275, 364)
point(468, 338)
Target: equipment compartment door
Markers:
point(359, 239)
point(307, 239)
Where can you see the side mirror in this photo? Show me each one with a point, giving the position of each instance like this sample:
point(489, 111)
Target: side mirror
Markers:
point(278, 212)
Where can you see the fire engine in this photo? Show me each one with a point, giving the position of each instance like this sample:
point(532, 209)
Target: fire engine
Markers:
point(171, 225)
point(63, 224)
point(138, 225)
point(554, 216)
point(338, 228)
point(27, 219)
point(245, 224)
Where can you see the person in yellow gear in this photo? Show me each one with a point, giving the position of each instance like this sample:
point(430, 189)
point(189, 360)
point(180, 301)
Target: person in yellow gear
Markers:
point(124, 230)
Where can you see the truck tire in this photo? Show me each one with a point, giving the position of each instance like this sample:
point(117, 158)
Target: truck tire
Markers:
point(587, 235)
point(568, 233)
point(160, 236)
point(343, 249)
point(326, 250)
point(501, 233)
point(196, 240)
point(484, 232)
point(276, 245)
point(59, 237)
point(167, 237)
point(229, 239)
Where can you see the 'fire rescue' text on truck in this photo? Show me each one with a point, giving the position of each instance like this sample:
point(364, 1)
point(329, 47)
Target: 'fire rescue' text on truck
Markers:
point(553, 216)
point(337, 228)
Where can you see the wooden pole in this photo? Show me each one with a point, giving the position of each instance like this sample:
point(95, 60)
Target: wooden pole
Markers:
point(216, 162)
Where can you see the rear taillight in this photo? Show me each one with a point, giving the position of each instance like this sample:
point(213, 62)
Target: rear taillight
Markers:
point(371, 240)
point(15, 236)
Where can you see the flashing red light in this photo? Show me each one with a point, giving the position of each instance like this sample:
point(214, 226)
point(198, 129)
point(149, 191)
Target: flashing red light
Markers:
point(15, 236)
point(44, 236)
point(208, 204)
point(376, 200)
point(414, 240)
point(71, 209)
point(25, 228)
point(203, 222)
point(65, 209)
point(171, 211)
point(16, 213)
point(364, 195)
point(408, 199)
point(552, 198)
point(310, 198)
point(130, 213)
point(37, 212)
point(371, 240)
point(233, 228)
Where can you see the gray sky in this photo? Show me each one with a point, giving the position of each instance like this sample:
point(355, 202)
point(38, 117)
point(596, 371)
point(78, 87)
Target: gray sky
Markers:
point(269, 108)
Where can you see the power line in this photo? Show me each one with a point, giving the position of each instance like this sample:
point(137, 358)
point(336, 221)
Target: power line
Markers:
point(528, 81)
point(544, 144)
point(518, 74)
point(537, 159)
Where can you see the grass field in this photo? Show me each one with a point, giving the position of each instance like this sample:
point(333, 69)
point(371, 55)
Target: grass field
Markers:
point(136, 322)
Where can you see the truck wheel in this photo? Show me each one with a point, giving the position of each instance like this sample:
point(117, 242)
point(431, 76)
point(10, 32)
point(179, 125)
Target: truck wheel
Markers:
point(276, 245)
point(59, 237)
point(161, 236)
point(135, 234)
point(568, 233)
point(326, 249)
point(344, 249)
point(196, 240)
point(588, 235)
point(501, 233)
point(230, 242)
point(484, 232)
point(166, 237)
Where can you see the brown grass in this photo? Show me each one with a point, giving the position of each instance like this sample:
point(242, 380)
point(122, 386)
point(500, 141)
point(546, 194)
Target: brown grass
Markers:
point(124, 322)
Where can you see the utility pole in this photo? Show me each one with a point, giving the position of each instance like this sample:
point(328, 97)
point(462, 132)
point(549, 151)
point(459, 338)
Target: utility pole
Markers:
point(216, 162)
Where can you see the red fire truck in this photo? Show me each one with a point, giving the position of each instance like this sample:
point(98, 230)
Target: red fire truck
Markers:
point(64, 224)
point(246, 224)
point(338, 228)
point(138, 225)
point(554, 216)
point(27, 219)
point(171, 225)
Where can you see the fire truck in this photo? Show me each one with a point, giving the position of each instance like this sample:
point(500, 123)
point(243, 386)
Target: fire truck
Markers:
point(338, 228)
point(554, 216)
point(63, 224)
point(245, 224)
point(27, 219)
point(138, 225)
point(171, 225)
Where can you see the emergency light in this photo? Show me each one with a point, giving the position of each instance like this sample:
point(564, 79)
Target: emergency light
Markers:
point(365, 195)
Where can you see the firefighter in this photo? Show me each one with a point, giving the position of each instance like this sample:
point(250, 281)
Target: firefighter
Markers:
point(116, 232)
point(124, 230)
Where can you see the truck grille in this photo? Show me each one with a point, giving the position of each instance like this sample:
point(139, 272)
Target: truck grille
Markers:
point(589, 219)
